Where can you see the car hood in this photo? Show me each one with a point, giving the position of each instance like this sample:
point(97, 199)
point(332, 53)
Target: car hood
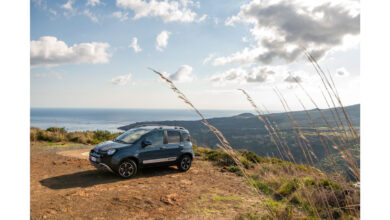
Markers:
point(107, 145)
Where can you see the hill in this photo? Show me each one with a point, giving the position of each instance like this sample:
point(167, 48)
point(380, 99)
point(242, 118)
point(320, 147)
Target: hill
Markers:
point(245, 131)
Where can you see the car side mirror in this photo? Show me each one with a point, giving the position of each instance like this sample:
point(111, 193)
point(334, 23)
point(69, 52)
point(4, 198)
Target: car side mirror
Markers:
point(146, 143)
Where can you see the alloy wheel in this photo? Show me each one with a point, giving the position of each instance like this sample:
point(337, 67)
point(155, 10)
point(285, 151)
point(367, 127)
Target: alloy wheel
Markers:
point(127, 169)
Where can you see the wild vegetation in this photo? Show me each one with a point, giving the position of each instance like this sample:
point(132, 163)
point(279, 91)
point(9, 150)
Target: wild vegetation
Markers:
point(290, 190)
point(54, 134)
point(330, 200)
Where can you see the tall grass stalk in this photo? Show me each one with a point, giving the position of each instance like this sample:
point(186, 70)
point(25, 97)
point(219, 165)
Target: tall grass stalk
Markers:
point(224, 144)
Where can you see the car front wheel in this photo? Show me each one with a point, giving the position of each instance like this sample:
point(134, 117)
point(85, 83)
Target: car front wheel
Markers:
point(127, 169)
point(184, 163)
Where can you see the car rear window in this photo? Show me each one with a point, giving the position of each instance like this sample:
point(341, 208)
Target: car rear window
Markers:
point(173, 137)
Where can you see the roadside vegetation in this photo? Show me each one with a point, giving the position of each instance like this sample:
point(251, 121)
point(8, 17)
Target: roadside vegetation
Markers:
point(289, 191)
point(54, 134)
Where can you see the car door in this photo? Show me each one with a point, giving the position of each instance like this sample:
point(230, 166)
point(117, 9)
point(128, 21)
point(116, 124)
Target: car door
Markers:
point(153, 153)
point(174, 145)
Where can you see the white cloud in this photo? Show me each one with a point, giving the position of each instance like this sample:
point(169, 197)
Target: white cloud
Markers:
point(208, 58)
point(68, 5)
point(162, 40)
point(121, 80)
point(122, 16)
point(90, 16)
point(135, 46)
point(201, 19)
point(293, 79)
point(93, 2)
point(183, 74)
point(168, 11)
point(49, 51)
point(282, 29)
point(245, 57)
point(242, 76)
point(342, 72)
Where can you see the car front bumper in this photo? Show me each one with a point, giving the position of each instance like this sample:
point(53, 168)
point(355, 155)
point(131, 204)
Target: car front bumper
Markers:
point(101, 166)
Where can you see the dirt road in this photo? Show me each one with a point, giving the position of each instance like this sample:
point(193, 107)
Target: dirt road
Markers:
point(65, 186)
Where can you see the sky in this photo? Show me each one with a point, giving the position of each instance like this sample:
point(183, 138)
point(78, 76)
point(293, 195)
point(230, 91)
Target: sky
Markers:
point(96, 53)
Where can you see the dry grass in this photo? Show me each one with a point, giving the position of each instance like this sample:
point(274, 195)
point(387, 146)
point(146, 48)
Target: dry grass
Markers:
point(289, 186)
point(224, 144)
point(342, 141)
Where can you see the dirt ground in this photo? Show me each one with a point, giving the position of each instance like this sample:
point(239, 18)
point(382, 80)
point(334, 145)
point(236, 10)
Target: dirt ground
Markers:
point(65, 186)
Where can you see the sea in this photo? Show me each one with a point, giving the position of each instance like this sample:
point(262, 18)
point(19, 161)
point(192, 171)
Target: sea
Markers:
point(91, 119)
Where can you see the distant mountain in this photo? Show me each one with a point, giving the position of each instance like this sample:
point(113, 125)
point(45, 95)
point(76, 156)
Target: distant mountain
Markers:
point(246, 131)
point(249, 121)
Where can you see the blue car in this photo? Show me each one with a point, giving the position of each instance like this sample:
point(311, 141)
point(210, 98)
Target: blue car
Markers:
point(144, 147)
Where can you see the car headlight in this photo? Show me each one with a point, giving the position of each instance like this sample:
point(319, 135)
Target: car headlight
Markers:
point(111, 151)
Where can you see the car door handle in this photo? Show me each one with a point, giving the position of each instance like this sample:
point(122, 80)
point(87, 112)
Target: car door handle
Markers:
point(181, 146)
point(163, 147)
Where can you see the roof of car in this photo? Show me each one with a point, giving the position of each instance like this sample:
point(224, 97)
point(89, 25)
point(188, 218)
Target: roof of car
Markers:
point(151, 127)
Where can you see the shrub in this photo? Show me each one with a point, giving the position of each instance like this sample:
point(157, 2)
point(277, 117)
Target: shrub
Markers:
point(34, 134)
point(327, 183)
point(309, 181)
point(246, 163)
point(220, 158)
point(55, 129)
point(252, 157)
point(288, 187)
point(54, 134)
point(102, 135)
point(263, 187)
point(235, 169)
point(278, 210)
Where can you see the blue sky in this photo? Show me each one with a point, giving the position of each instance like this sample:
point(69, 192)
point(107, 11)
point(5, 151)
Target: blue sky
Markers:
point(83, 53)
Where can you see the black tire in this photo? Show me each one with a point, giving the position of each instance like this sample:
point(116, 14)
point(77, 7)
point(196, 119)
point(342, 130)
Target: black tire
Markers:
point(184, 163)
point(127, 169)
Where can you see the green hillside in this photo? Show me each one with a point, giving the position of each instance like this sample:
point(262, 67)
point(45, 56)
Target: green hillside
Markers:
point(245, 131)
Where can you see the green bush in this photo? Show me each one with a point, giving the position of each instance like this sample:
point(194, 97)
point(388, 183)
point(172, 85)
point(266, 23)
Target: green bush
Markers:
point(309, 181)
point(220, 158)
point(263, 187)
point(252, 157)
point(327, 183)
point(235, 169)
point(246, 163)
point(54, 134)
point(55, 129)
point(288, 187)
point(102, 135)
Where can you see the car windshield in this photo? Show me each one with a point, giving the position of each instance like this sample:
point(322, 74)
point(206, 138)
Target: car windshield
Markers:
point(131, 136)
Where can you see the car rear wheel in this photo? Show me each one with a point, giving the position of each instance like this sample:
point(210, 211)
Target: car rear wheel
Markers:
point(127, 169)
point(184, 163)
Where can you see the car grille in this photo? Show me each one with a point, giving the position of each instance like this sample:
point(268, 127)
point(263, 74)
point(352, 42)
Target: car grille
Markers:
point(95, 154)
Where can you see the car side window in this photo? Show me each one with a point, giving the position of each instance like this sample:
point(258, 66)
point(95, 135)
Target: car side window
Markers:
point(173, 137)
point(156, 137)
point(186, 136)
